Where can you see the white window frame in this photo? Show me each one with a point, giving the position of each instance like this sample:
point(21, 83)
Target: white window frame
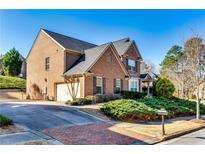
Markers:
point(134, 84)
point(131, 62)
point(98, 77)
point(132, 65)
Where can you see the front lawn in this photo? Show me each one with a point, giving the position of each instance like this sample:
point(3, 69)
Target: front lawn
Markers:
point(146, 109)
point(4, 121)
point(7, 82)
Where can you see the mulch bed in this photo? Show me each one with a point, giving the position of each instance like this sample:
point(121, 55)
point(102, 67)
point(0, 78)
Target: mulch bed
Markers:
point(10, 129)
point(95, 112)
point(91, 134)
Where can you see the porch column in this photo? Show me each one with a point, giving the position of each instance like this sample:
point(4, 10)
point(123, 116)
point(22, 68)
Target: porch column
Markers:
point(148, 89)
point(140, 85)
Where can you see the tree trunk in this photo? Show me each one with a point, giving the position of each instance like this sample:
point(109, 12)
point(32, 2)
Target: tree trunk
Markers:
point(198, 104)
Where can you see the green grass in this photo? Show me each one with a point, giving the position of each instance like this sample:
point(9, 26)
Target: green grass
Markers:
point(146, 109)
point(7, 82)
point(4, 121)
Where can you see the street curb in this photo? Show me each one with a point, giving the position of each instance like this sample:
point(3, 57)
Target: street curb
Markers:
point(165, 138)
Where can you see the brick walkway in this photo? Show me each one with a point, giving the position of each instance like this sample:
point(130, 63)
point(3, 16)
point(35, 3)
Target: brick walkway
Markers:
point(95, 134)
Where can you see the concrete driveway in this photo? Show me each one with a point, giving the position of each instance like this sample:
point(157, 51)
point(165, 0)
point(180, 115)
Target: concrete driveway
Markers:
point(38, 117)
point(58, 124)
point(34, 118)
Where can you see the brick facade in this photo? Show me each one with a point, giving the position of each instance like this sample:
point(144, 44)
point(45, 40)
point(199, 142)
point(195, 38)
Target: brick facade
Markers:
point(110, 70)
point(39, 79)
point(133, 55)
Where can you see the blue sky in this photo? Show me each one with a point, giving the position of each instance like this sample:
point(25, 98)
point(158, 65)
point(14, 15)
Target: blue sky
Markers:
point(154, 31)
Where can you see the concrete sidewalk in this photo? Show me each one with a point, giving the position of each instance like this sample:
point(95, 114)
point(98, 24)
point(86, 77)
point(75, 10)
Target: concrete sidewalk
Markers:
point(24, 136)
point(195, 138)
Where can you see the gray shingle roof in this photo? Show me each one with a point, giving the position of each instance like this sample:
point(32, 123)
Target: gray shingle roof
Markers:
point(141, 76)
point(122, 45)
point(69, 42)
point(87, 60)
point(90, 52)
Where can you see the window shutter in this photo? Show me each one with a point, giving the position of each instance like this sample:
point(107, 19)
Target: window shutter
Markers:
point(121, 85)
point(114, 86)
point(136, 67)
point(104, 85)
point(127, 63)
point(94, 85)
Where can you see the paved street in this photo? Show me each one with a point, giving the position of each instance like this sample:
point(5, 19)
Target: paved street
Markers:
point(196, 138)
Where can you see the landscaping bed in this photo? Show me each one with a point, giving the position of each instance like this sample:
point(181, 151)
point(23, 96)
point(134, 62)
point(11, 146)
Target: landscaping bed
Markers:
point(146, 109)
point(7, 82)
point(10, 129)
point(94, 109)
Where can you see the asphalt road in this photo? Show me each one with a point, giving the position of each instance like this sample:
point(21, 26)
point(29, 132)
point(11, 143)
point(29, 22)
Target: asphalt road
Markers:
point(38, 117)
point(196, 138)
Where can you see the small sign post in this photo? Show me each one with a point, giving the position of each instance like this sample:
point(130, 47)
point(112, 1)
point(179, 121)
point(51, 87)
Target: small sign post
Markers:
point(162, 112)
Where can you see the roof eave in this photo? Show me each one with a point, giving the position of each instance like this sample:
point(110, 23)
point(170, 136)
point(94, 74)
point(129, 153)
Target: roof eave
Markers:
point(76, 74)
point(74, 51)
point(116, 54)
point(53, 39)
point(135, 45)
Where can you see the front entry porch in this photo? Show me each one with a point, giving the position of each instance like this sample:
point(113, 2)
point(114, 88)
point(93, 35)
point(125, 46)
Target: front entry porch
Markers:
point(138, 82)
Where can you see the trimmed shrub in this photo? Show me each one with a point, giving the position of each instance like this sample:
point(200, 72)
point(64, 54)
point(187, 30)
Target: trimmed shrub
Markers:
point(128, 109)
point(114, 97)
point(163, 87)
point(99, 98)
point(80, 101)
point(4, 121)
point(132, 95)
point(7, 82)
point(146, 109)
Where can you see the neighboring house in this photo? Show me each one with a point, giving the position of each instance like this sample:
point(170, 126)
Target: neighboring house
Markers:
point(62, 68)
point(23, 67)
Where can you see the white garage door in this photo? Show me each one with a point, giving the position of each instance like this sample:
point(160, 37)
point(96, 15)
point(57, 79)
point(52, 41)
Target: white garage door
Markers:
point(63, 92)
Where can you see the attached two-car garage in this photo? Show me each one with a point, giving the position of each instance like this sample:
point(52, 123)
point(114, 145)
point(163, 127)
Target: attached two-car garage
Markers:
point(64, 91)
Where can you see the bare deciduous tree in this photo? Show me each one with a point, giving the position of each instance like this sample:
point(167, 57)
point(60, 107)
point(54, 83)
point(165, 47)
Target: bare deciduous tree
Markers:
point(195, 63)
point(73, 85)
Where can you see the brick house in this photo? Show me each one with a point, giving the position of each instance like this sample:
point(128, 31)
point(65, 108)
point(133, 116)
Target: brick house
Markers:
point(61, 68)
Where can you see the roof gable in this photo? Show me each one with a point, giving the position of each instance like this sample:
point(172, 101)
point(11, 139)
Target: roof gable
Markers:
point(123, 45)
point(87, 60)
point(91, 56)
